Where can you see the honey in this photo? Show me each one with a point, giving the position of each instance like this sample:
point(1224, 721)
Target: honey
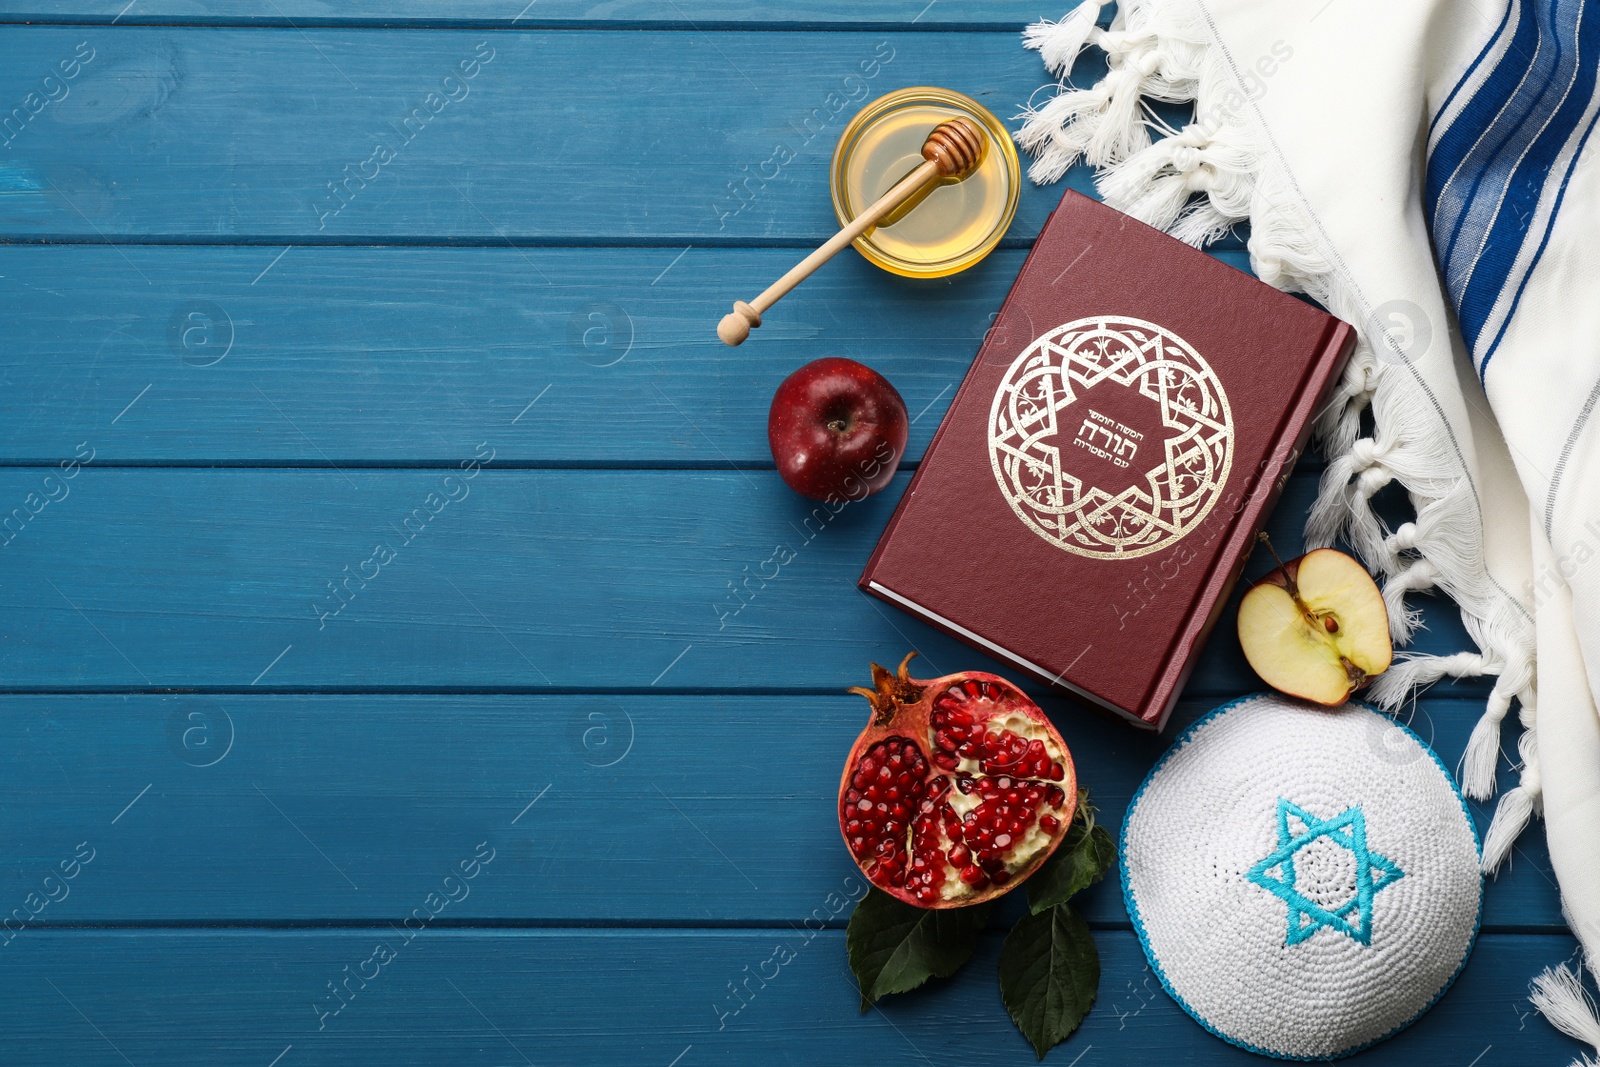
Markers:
point(950, 226)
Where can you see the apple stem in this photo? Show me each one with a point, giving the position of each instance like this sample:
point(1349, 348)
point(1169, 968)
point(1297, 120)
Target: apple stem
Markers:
point(1288, 579)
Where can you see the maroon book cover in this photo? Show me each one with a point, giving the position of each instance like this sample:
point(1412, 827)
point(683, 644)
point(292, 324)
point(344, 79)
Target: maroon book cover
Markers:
point(1096, 486)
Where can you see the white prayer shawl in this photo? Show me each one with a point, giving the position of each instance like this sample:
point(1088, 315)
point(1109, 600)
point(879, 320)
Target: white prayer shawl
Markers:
point(1435, 185)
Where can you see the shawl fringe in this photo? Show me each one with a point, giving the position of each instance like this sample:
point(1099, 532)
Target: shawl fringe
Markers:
point(1197, 183)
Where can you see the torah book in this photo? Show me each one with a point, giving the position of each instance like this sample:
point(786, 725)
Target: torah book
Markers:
point(1095, 488)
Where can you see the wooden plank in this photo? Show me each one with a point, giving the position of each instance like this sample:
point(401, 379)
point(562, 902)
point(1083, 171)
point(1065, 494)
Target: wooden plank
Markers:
point(505, 580)
point(206, 134)
point(309, 356)
point(700, 14)
point(619, 808)
point(502, 997)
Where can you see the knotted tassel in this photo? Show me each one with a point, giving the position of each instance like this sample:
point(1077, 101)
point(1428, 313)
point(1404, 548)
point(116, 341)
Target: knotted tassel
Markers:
point(1340, 422)
point(1403, 620)
point(1483, 747)
point(1559, 995)
point(1121, 131)
point(1366, 532)
point(1344, 507)
point(1207, 219)
point(1511, 817)
point(1518, 805)
point(1409, 673)
point(1059, 43)
point(1150, 185)
point(1104, 124)
point(1057, 133)
point(1440, 527)
point(1155, 185)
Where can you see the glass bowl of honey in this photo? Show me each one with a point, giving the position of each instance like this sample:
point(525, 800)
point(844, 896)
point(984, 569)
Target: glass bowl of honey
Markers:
point(950, 225)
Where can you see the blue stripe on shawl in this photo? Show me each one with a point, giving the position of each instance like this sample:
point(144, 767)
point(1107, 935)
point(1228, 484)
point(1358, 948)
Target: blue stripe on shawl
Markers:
point(1490, 166)
point(1478, 61)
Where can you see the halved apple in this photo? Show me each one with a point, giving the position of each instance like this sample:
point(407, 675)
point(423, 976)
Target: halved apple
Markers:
point(1316, 627)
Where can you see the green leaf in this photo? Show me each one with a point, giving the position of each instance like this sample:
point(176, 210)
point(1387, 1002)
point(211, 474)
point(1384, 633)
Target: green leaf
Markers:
point(1085, 855)
point(1049, 974)
point(895, 947)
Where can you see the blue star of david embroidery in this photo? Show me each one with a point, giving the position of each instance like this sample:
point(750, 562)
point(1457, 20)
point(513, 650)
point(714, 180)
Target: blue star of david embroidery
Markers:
point(1348, 829)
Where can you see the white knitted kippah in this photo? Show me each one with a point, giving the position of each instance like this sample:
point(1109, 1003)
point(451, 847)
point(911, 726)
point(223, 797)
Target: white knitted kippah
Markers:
point(1304, 880)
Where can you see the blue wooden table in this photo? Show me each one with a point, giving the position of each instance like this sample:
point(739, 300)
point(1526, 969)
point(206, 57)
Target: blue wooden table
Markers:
point(379, 641)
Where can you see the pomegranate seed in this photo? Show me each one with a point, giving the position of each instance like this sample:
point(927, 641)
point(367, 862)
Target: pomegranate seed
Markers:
point(991, 863)
point(898, 878)
point(944, 741)
point(1049, 823)
point(1057, 772)
point(964, 784)
point(946, 761)
point(1002, 841)
point(927, 894)
point(959, 855)
point(937, 787)
point(1057, 796)
point(863, 805)
point(1001, 877)
point(972, 876)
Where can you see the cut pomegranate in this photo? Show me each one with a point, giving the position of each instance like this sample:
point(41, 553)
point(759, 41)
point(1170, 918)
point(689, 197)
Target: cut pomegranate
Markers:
point(957, 790)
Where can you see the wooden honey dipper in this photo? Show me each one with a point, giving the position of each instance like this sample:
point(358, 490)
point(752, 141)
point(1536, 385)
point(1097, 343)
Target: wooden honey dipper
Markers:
point(953, 150)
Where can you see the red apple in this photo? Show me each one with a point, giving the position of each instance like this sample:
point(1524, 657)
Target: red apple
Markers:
point(837, 430)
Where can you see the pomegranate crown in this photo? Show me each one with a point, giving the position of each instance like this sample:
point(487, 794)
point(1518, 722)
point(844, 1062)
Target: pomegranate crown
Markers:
point(890, 692)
